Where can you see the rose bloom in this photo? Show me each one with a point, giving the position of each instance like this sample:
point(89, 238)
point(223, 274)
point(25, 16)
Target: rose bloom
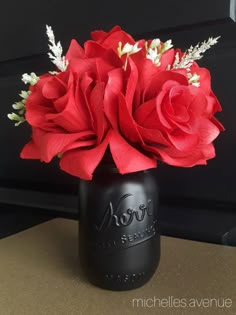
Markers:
point(141, 113)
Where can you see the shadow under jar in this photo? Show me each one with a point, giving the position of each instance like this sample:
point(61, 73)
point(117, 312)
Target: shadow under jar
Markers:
point(119, 239)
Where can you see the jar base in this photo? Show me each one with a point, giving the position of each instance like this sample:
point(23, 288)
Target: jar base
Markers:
point(117, 282)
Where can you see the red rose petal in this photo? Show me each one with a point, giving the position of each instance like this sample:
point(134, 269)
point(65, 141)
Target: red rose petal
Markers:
point(80, 66)
point(131, 85)
point(93, 49)
point(30, 151)
point(36, 98)
point(153, 136)
point(81, 144)
point(74, 117)
point(167, 59)
point(127, 158)
point(160, 100)
point(74, 51)
point(51, 144)
point(101, 35)
point(127, 123)
point(217, 106)
point(163, 80)
point(61, 102)
point(197, 156)
point(205, 80)
point(198, 103)
point(208, 131)
point(83, 92)
point(35, 116)
point(114, 38)
point(146, 70)
point(83, 162)
point(54, 88)
point(103, 69)
point(114, 87)
point(98, 35)
point(145, 114)
point(96, 106)
point(217, 123)
point(183, 142)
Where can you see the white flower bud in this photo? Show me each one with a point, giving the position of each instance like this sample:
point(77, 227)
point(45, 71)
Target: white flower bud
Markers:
point(167, 45)
point(154, 56)
point(127, 49)
point(24, 94)
point(18, 105)
point(19, 119)
point(31, 78)
point(155, 43)
point(194, 79)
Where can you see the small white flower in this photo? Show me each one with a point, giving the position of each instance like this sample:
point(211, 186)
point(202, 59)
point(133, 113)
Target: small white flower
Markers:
point(128, 49)
point(155, 43)
point(18, 105)
point(53, 72)
point(25, 94)
point(156, 49)
point(12, 116)
point(19, 119)
point(167, 45)
point(197, 84)
point(153, 55)
point(31, 78)
point(193, 79)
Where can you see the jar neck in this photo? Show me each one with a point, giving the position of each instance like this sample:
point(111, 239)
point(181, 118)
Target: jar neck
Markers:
point(107, 164)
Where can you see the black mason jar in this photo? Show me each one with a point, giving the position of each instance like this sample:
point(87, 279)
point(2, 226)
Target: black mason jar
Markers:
point(119, 239)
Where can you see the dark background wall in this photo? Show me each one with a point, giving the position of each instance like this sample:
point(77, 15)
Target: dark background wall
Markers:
point(198, 202)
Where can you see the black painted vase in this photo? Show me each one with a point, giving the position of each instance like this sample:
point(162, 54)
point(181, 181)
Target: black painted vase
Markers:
point(119, 240)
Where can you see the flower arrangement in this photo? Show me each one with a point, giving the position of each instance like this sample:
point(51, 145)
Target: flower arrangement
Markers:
point(141, 101)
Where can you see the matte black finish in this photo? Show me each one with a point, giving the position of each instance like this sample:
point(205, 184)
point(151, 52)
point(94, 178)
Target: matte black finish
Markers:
point(119, 240)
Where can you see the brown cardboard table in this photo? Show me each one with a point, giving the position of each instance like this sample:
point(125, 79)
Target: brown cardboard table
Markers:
point(39, 275)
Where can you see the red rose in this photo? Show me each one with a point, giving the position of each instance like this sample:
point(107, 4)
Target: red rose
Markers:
point(111, 39)
point(66, 113)
point(169, 118)
point(74, 113)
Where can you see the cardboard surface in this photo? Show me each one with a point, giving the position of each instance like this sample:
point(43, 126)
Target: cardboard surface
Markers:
point(39, 275)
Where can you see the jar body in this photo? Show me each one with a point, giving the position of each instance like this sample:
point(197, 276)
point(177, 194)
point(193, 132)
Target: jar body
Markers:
point(119, 240)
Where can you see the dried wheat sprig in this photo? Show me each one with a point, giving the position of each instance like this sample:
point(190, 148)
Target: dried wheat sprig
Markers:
point(56, 51)
point(193, 53)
